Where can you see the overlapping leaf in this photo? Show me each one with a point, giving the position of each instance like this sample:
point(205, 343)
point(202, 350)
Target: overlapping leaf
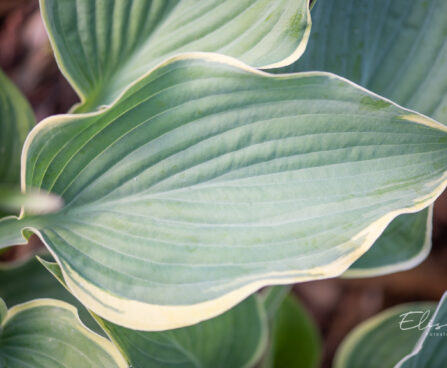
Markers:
point(208, 180)
point(47, 333)
point(431, 349)
point(25, 280)
point(403, 245)
point(236, 338)
point(383, 340)
point(406, 336)
point(397, 49)
point(294, 339)
point(103, 46)
point(16, 120)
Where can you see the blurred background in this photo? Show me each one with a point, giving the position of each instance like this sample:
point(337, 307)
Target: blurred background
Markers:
point(337, 305)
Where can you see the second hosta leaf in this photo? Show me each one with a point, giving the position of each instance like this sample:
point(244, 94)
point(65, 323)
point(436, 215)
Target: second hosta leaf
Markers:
point(406, 336)
point(208, 180)
point(236, 338)
point(103, 46)
point(294, 339)
point(47, 333)
point(25, 280)
point(383, 340)
point(16, 120)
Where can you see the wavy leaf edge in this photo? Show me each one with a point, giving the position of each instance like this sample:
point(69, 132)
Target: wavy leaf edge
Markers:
point(420, 344)
point(408, 264)
point(348, 345)
point(47, 302)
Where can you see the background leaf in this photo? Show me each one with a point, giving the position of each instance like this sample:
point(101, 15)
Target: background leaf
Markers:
point(431, 349)
point(103, 46)
point(397, 49)
point(403, 245)
point(16, 120)
point(208, 180)
point(23, 281)
point(294, 339)
point(47, 333)
point(3, 310)
point(236, 338)
point(379, 341)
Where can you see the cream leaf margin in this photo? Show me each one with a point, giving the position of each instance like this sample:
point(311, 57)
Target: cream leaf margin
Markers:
point(408, 264)
point(44, 302)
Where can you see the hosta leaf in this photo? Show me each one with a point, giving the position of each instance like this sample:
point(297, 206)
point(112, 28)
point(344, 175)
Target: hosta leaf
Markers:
point(403, 245)
point(3, 310)
point(25, 280)
point(273, 297)
point(294, 340)
point(236, 338)
point(16, 120)
point(397, 49)
point(103, 46)
point(383, 340)
point(431, 349)
point(47, 333)
point(208, 180)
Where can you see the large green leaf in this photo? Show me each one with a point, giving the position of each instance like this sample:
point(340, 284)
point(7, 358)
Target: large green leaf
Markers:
point(103, 46)
point(25, 280)
point(431, 349)
point(294, 339)
point(383, 340)
point(16, 120)
point(47, 333)
point(397, 49)
point(208, 180)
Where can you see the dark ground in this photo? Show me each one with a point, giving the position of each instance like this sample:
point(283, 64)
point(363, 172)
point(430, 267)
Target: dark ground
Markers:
point(336, 304)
